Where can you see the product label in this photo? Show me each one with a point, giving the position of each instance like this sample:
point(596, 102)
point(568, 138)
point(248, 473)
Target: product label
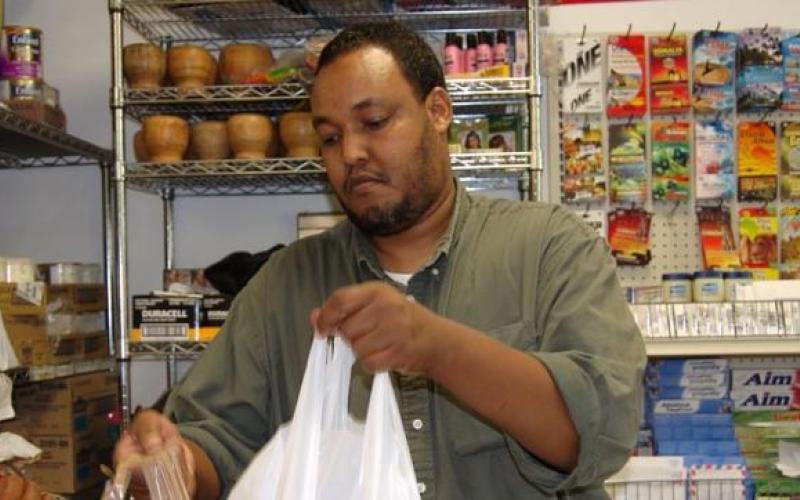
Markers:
point(584, 170)
point(714, 56)
point(714, 159)
point(627, 80)
point(581, 76)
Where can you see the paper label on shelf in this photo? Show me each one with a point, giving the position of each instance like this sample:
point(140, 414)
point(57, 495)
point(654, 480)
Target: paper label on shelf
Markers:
point(8, 358)
point(32, 292)
point(6, 386)
point(581, 75)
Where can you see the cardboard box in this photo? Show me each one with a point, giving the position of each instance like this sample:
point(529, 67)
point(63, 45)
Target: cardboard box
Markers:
point(68, 464)
point(215, 310)
point(166, 319)
point(35, 346)
point(38, 299)
point(75, 406)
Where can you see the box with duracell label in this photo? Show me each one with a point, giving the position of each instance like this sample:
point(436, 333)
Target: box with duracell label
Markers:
point(215, 310)
point(159, 318)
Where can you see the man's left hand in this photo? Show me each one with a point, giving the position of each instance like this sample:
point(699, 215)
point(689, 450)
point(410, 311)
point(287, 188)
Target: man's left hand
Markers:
point(386, 329)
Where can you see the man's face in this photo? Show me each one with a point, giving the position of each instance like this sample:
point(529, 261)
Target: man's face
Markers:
point(380, 144)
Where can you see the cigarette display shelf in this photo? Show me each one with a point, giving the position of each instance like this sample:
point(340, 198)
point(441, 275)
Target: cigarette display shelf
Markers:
point(301, 175)
point(25, 143)
point(755, 345)
point(221, 100)
point(290, 22)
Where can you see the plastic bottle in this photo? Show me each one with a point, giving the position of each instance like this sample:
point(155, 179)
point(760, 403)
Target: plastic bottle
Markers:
point(453, 57)
point(484, 50)
point(471, 54)
point(501, 48)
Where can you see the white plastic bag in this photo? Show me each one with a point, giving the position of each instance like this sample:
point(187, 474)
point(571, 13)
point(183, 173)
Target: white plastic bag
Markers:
point(323, 453)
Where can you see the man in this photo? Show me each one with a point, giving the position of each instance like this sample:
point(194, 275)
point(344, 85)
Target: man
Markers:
point(517, 361)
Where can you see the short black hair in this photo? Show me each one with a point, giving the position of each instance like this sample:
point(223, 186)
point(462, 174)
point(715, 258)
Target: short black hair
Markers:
point(411, 52)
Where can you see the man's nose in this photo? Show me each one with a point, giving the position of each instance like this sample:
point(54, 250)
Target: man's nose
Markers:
point(354, 149)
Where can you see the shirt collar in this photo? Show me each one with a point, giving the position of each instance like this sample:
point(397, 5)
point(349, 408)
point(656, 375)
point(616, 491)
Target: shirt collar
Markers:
point(367, 258)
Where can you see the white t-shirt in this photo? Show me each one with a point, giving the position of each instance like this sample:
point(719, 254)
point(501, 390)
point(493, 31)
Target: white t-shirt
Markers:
point(402, 278)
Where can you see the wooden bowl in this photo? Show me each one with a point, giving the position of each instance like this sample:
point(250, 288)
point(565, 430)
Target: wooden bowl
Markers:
point(298, 135)
point(166, 138)
point(238, 61)
point(191, 67)
point(139, 147)
point(209, 140)
point(249, 135)
point(144, 65)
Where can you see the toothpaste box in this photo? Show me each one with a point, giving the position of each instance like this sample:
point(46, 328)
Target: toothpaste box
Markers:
point(718, 392)
point(764, 377)
point(687, 366)
point(693, 447)
point(689, 406)
point(693, 420)
point(759, 398)
point(692, 380)
point(758, 362)
point(767, 424)
point(699, 433)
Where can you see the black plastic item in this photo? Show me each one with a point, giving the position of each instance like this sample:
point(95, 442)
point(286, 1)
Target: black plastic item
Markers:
point(231, 273)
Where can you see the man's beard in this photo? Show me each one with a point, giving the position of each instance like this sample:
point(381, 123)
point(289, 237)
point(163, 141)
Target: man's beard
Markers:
point(395, 217)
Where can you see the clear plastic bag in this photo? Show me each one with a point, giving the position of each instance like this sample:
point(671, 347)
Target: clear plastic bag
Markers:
point(162, 474)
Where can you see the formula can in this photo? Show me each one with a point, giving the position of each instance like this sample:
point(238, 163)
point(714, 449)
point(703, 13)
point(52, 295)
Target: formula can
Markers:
point(21, 52)
point(21, 89)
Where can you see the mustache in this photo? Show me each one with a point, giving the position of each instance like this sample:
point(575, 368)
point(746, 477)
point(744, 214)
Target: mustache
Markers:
point(354, 179)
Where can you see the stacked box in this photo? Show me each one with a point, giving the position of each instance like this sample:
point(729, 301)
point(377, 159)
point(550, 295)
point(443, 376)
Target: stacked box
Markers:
point(689, 408)
point(68, 419)
point(53, 324)
point(170, 318)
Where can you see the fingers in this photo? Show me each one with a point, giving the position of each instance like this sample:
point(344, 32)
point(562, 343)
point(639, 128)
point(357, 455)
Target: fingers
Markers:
point(151, 430)
point(32, 491)
point(14, 487)
point(343, 303)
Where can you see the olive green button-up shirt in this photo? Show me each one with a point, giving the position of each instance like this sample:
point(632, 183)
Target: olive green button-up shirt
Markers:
point(528, 274)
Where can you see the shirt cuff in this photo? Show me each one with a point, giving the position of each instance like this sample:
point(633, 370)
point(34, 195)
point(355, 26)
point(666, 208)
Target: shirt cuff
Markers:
point(584, 409)
point(227, 471)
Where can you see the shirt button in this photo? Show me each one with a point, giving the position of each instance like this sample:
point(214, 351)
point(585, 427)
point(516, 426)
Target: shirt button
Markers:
point(435, 272)
point(421, 488)
point(417, 424)
point(410, 298)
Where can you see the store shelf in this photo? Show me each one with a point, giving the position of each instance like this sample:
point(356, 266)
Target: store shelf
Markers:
point(293, 175)
point(222, 100)
point(25, 143)
point(163, 350)
point(289, 22)
point(50, 372)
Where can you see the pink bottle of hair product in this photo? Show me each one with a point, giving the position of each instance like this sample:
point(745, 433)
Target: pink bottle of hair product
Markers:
point(484, 50)
point(471, 54)
point(453, 54)
point(501, 48)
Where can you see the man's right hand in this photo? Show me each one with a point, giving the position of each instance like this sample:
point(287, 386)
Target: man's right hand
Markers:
point(149, 433)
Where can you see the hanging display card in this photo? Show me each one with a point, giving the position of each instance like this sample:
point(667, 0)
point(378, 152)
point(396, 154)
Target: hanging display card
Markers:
point(790, 243)
point(716, 238)
point(791, 73)
point(760, 70)
point(715, 178)
point(596, 219)
point(627, 162)
point(669, 74)
point(758, 241)
point(790, 160)
point(670, 161)
point(581, 75)
point(627, 80)
point(758, 161)
point(629, 236)
point(714, 59)
point(584, 173)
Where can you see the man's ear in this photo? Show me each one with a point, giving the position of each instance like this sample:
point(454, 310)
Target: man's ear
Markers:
point(439, 109)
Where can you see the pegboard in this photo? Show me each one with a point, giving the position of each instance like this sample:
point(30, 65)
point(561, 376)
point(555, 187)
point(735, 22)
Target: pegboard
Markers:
point(674, 243)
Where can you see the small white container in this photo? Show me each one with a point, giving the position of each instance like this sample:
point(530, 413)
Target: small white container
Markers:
point(733, 278)
point(676, 288)
point(708, 286)
point(18, 270)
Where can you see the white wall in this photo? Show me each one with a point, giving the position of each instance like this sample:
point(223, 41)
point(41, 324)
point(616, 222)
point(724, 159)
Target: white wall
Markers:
point(54, 215)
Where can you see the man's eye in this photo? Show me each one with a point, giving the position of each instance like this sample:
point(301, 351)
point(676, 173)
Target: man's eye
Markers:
point(330, 140)
point(376, 123)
